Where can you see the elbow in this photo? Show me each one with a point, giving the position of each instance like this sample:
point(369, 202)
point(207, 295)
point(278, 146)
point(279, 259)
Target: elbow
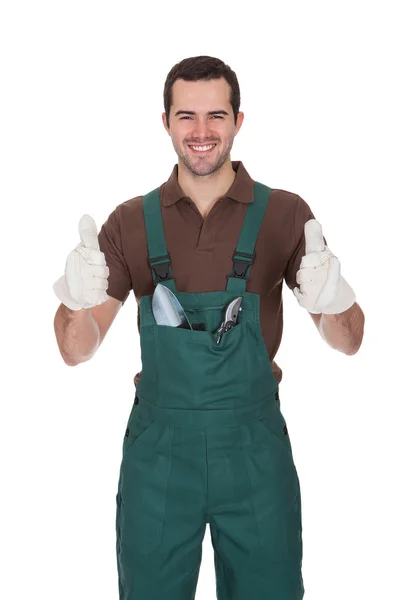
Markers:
point(67, 359)
point(69, 362)
point(353, 350)
point(74, 362)
point(359, 337)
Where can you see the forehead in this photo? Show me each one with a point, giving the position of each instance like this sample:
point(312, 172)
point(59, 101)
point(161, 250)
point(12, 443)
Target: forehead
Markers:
point(201, 95)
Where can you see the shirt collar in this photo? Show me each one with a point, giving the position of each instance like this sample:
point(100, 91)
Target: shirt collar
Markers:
point(241, 189)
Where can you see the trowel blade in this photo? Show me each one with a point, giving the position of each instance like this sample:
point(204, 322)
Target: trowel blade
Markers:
point(167, 309)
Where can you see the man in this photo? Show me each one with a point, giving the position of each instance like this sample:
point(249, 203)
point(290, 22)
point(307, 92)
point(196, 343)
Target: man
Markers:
point(206, 441)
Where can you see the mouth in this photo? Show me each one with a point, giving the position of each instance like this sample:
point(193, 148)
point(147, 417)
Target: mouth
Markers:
point(203, 150)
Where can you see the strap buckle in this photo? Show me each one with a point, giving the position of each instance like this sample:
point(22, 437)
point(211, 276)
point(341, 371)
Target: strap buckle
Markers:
point(241, 262)
point(160, 266)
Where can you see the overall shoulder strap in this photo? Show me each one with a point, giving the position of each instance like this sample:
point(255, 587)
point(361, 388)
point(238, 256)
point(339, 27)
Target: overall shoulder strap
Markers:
point(244, 255)
point(159, 259)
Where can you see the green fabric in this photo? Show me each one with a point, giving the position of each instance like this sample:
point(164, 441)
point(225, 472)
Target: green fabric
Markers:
point(206, 442)
point(158, 254)
point(249, 233)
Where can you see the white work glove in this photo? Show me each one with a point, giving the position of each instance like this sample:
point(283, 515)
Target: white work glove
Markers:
point(322, 288)
point(85, 281)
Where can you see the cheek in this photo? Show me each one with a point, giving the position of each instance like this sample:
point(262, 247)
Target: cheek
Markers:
point(180, 131)
point(178, 139)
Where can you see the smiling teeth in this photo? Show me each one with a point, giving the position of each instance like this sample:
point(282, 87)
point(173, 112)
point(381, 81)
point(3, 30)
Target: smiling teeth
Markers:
point(203, 148)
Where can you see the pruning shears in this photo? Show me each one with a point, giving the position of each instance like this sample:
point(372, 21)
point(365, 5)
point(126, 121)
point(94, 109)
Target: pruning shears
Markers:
point(231, 315)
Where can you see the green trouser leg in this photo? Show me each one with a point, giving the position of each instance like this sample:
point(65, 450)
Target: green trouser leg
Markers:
point(239, 477)
point(162, 521)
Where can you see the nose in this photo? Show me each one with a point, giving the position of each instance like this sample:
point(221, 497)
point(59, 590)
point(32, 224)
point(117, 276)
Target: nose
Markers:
point(201, 130)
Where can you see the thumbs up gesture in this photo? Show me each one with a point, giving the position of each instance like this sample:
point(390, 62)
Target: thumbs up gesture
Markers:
point(84, 282)
point(322, 287)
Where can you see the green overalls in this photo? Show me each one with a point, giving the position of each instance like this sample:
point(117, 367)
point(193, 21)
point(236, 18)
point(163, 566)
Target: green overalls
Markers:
point(206, 442)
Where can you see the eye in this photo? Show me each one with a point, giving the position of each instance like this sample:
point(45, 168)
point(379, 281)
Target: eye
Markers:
point(212, 116)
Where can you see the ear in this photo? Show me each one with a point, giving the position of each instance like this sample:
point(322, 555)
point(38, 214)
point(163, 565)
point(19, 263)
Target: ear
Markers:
point(164, 120)
point(239, 122)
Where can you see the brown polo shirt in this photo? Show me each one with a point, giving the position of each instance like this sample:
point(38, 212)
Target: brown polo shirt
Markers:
point(201, 249)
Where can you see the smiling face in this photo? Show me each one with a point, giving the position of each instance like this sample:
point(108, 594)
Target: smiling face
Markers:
point(202, 125)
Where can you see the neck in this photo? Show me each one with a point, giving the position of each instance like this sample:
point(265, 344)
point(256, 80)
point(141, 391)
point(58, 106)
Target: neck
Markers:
point(205, 190)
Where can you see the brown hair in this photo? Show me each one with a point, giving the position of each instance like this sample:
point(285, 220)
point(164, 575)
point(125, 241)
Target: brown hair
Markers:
point(197, 68)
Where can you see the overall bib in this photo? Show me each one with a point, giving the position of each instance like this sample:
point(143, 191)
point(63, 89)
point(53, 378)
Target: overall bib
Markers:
point(206, 442)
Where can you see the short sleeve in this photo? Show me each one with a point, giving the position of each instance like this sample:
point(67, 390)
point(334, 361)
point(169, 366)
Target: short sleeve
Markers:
point(119, 280)
point(302, 214)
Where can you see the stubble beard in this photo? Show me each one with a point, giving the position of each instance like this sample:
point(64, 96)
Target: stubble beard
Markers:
point(202, 168)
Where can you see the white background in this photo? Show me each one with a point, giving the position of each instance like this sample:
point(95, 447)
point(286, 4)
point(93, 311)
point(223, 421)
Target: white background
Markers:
point(81, 132)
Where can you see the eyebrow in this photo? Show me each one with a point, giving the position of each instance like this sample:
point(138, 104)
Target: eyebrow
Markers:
point(210, 112)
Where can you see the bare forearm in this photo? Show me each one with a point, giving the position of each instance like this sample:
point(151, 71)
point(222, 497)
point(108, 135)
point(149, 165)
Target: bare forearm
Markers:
point(344, 331)
point(77, 334)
